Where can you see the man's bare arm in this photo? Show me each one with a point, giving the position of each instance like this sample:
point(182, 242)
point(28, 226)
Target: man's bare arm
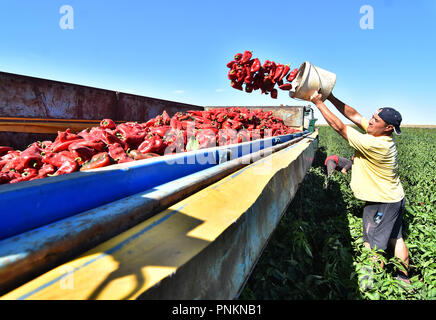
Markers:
point(331, 119)
point(348, 112)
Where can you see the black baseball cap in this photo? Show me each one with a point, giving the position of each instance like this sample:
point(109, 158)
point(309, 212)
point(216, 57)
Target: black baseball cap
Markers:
point(391, 116)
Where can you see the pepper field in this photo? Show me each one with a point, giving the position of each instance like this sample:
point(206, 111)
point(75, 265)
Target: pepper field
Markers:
point(317, 251)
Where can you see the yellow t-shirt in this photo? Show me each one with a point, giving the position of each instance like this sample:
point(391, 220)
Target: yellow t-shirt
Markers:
point(374, 174)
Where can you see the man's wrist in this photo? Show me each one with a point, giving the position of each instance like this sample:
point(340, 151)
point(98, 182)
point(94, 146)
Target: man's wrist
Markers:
point(319, 104)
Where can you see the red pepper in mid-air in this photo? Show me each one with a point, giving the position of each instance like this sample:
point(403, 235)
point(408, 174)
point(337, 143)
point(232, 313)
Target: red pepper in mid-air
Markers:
point(255, 66)
point(286, 69)
point(286, 86)
point(232, 75)
point(238, 56)
point(230, 64)
point(292, 75)
point(250, 72)
point(246, 56)
point(236, 85)
point(274, 93)
point(278, 72)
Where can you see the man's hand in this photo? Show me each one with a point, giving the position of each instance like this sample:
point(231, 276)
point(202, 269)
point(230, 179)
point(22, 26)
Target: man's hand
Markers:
point(316, 98)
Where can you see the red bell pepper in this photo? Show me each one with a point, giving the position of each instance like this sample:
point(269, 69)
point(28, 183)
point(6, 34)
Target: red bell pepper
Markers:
point(267, 65)
point(30, 158)
point(175, 124)
point(107, 124)
point(255, 66)
point(63, 160)
point(140, 156)
point(236, 85)
point(197, 113)
point(286, 86)
point(206, 126)
point(6, 177)
point(246, 56)
point(206, 138)
point(66, 136)
point(236, 124)
point(278, 72)
point(116, 151)
point(92, 144)
point(230, 64)
point(153, 144)
point(10, 161)
point(82, 154)
point(248, 76)
point(61, 146)
point(274, 93)
point(132, 134)
point(243, 136)
point(99, 160)
point(45, 170)
point(149, 123)
point(286, 69)
point(166, 118)
point(249, 87)
point(160, 131)
point(232, 75)
point(272, 70)
point(27, 174)
point(268, 84)
point(292, 75)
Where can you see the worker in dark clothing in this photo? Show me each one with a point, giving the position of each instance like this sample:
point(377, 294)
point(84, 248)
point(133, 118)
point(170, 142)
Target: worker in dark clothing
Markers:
point(335, 162)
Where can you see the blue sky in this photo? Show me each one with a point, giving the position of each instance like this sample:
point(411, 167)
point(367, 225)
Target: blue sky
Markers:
point(178, 50)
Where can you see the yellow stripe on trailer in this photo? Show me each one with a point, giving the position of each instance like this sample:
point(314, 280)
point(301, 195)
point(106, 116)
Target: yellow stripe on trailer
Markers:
point(202, 247)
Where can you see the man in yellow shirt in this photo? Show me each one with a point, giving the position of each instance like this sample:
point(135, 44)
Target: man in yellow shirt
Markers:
point(374, 175)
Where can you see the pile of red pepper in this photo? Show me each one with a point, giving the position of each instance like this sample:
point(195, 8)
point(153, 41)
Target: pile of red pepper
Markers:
point(250, 72)
point(110, 143)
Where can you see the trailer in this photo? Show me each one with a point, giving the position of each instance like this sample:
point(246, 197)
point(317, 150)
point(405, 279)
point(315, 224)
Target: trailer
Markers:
point(185, 226)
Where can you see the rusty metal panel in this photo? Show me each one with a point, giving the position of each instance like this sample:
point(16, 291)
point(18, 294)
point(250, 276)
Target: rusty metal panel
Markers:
point(23, 96)
point(131, 107)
